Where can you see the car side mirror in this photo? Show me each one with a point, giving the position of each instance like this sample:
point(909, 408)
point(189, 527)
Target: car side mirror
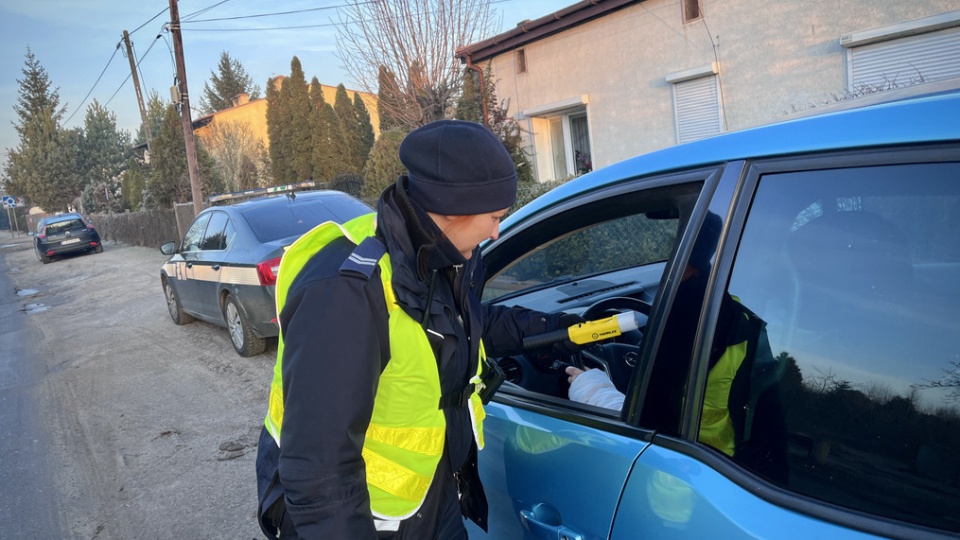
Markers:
point(168, 248)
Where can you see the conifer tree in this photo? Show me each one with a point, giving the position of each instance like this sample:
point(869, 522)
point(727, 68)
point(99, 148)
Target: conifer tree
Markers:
point(349, 131)
point(295, 131)
point(104, 151)
point(43, 167)
point(232, 79)
point(365, 134)
point(388, 100)
point(279, 161)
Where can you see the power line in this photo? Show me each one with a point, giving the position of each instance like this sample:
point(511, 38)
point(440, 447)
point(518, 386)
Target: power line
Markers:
point(275, 13)
point(164, 10)
point(112, 56)
point(129, 75)
point(204, 10)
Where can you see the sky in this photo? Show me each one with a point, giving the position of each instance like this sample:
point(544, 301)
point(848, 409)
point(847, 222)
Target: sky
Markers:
point(76, 42)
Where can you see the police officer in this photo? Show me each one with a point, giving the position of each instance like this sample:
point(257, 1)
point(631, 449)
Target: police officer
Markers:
point(375, 415)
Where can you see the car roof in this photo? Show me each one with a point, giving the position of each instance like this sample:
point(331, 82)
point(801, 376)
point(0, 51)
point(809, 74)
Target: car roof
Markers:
point(67, 216)
point(285, 198)
point(924, 119)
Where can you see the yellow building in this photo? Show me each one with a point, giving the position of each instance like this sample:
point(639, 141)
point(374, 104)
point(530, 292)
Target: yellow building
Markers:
point(252, 115)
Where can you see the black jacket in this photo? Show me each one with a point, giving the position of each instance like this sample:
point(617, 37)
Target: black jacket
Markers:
point(335, 347)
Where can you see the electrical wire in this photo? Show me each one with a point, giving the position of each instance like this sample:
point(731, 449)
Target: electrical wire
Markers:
point(162, 11)
point(278, 13)
point(80, 106)
point(202, 11)
point(129, 75)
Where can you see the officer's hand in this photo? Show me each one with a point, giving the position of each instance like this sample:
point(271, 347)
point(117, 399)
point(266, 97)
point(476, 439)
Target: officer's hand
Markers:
point(567, 347)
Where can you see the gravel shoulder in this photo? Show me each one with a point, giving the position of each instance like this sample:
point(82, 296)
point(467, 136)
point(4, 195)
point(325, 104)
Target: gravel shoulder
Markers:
point(153, 426)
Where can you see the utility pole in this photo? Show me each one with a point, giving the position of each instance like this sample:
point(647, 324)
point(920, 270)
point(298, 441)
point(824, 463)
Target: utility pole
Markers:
point(192, 166)
point(136, 86)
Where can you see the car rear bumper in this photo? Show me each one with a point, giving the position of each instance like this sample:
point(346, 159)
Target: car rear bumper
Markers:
point(58, 248)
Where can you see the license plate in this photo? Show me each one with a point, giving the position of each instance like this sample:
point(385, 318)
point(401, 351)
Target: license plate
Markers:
point(70, 241)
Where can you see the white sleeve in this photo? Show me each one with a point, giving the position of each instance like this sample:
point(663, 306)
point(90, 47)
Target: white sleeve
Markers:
point(593, 387)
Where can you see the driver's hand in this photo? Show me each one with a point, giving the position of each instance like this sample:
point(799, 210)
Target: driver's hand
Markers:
point(573, 373)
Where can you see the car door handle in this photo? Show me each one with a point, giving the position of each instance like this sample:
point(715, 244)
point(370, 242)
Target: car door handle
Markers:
point(543, 521)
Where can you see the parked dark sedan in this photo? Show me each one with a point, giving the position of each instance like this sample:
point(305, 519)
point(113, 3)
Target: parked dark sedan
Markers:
point(64, 233)
point(225, 269)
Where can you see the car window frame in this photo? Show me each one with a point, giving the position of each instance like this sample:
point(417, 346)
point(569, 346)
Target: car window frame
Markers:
point(626, 422)
point(742, 191)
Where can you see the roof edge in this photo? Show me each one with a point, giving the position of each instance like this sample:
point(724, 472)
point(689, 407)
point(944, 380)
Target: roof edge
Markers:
point(529, 31)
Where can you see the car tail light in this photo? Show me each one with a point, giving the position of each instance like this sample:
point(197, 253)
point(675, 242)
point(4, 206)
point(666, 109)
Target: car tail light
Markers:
point(267, 271)
point(43, 234)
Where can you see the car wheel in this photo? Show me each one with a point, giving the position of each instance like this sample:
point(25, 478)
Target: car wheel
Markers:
point(177, 313)
point(244, 340)
point(41, 257)
point(98, 249)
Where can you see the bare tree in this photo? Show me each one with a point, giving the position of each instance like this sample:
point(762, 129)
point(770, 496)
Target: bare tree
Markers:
point(416, 41)
point(232, 145)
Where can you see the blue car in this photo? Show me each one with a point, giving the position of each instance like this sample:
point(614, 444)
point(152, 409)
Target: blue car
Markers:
point(225, 270)
point(796, 370)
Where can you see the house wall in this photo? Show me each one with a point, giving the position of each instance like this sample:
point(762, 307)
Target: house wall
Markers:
point(776, 59)
point(254, 114)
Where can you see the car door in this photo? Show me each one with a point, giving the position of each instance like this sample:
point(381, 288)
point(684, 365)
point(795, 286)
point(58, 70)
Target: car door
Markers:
point(849, 420)
point(553, 468)
point(186, 277)
point(206, 265)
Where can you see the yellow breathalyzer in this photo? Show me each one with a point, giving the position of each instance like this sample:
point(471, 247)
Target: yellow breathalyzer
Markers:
point(586, 332)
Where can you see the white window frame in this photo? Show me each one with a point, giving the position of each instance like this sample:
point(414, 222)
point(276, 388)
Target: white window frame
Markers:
point(697, 107)
point(546, 140)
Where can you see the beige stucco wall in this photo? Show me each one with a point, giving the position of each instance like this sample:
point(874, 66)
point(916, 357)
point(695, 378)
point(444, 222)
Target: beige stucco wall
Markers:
point(776, 59)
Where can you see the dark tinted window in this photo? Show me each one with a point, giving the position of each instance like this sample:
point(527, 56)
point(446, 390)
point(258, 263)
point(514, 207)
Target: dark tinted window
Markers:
point(191, 240)
point(275, 221)
point(215, 239)
point(856, 273)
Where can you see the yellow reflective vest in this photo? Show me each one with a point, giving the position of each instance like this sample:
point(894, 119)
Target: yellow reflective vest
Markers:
point(406, 435)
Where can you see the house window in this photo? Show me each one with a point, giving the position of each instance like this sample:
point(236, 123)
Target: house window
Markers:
point(697, 108)
point(560, 136)
point(569, 146)
point(691, 10)
point(521, 61)
point(906, 54)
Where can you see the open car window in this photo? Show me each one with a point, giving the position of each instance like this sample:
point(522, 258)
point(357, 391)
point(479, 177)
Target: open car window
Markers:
point(597, 257)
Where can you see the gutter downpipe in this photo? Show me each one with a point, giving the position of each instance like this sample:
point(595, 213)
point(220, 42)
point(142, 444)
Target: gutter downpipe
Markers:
point(483, 87)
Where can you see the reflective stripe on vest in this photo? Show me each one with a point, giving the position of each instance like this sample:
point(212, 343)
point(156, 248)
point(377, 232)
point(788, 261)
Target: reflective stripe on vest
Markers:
point(406, 435)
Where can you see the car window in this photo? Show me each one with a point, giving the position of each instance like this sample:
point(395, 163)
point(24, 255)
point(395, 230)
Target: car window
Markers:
point(632, 240)
point(853, 395)
point(66, 225)
point(275, 221)
point(191, 240)
point(214, 237)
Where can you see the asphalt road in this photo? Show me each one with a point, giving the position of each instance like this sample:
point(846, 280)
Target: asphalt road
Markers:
point(25, 470)
point(114, 422)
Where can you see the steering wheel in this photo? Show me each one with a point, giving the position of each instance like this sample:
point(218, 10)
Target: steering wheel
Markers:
point(617, 357)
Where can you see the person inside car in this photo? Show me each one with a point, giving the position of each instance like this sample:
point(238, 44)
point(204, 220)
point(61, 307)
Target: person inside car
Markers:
point(375, 413)
point(742, 415)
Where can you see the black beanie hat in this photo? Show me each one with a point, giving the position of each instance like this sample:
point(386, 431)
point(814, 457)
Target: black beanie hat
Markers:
point(458, 168)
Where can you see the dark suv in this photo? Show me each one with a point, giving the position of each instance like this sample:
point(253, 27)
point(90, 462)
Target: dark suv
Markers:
point(64, 233)
point(797, 373)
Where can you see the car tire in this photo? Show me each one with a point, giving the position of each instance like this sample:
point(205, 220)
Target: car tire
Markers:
point(98, 249)
point(244, 340)
point(41, 257)
point(177, 313)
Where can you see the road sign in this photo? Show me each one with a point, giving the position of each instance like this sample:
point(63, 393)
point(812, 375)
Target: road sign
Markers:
point(9, 202)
